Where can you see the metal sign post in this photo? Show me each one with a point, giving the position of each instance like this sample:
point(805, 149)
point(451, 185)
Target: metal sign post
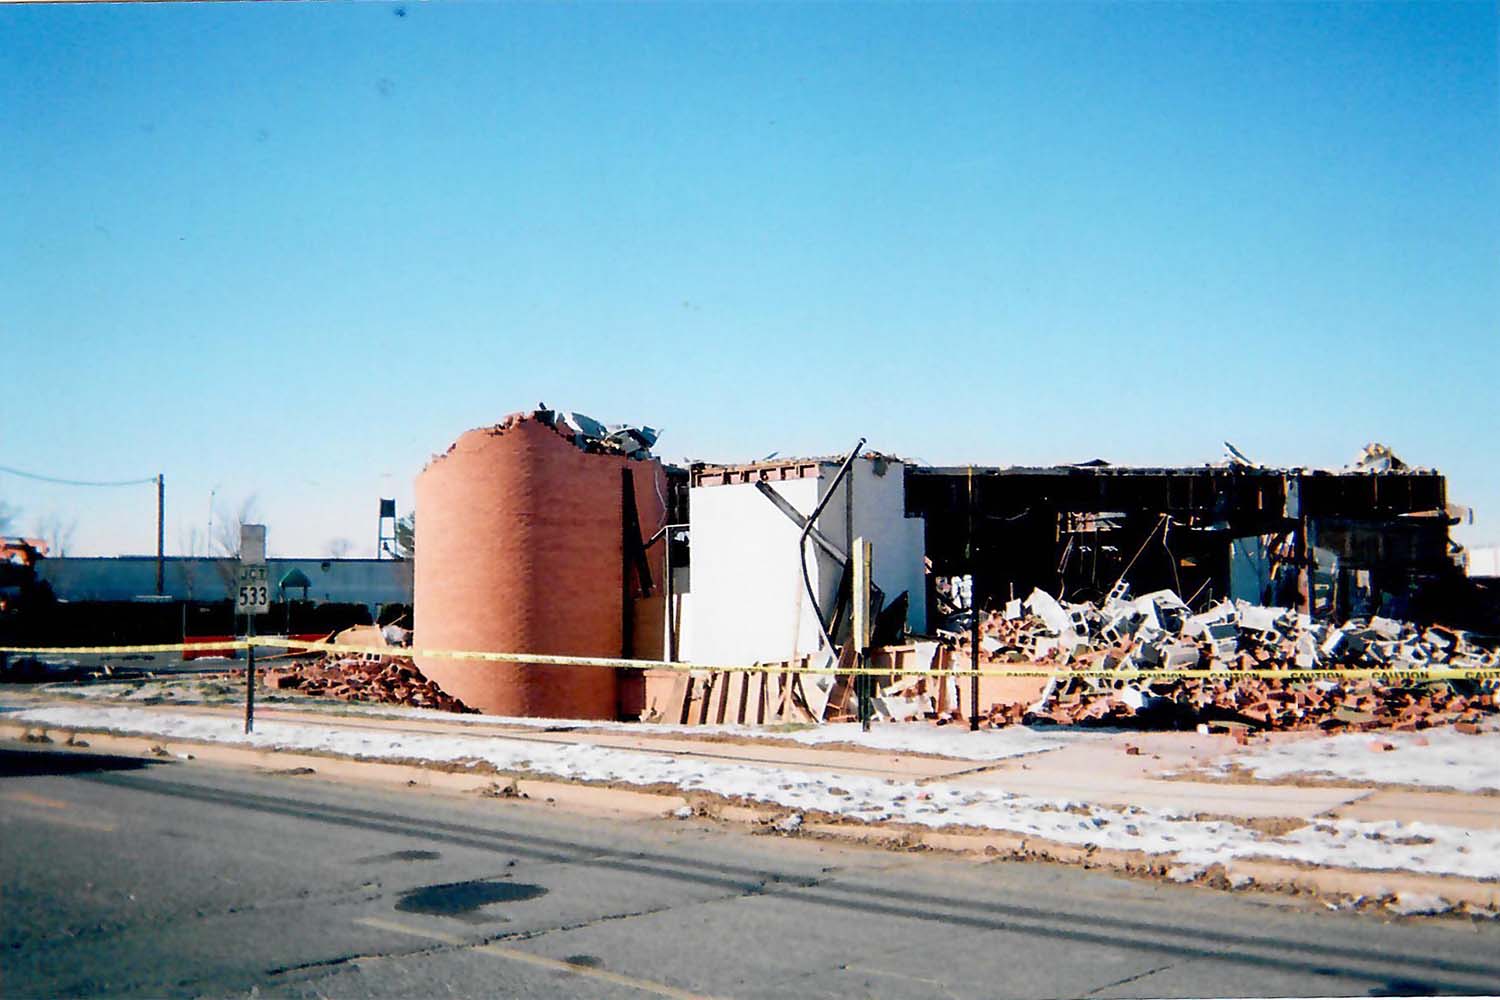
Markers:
point(252, 597)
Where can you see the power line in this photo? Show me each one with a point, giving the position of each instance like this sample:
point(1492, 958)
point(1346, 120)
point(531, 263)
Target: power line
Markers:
point(75, 482)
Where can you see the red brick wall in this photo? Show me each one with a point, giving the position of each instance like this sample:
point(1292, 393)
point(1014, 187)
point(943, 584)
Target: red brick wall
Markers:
point(519, 550)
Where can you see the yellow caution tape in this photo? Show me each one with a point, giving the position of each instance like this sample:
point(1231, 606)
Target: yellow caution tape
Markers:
point(407, 652)
point(206, 648)
point(1436, 673)
point(1407, 674)
point(1295, 674)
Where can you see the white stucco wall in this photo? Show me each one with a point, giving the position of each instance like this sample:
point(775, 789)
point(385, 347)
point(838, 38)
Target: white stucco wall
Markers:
point(899, 541)
point(748, 600)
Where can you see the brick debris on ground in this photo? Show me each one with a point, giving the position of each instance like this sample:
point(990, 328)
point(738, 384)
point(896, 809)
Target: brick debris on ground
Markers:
point(1159, 631)
point(364, 678)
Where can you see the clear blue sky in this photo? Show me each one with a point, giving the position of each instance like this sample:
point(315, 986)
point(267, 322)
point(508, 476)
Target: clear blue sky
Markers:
point(292, 250)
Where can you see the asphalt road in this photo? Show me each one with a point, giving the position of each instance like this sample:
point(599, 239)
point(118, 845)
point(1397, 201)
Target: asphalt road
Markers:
point(179, 879)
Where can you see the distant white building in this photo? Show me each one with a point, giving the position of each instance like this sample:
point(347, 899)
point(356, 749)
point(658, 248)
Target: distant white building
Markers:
point(1484, 560)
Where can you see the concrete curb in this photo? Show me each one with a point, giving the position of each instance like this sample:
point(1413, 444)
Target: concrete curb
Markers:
point(1342, 884)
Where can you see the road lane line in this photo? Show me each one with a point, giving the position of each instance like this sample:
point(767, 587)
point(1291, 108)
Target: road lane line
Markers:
point(542, 961)
point(32, 799)
point(33, 803)
point(603, 975)
point(56, 819)
point(391, 925)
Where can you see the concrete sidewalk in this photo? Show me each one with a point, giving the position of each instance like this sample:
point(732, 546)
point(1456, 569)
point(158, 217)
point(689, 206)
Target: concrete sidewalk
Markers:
point(1101, 770)
point(1140, 769)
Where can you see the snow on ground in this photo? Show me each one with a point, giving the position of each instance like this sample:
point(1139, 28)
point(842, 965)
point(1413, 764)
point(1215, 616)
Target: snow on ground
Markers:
point(1414, 847)
point(187, 690)
point(1435, 758)
point(946, 741)
point(955, 741)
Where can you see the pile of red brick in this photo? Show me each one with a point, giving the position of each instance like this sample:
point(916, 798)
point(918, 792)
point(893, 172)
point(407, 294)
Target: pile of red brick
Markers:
point(359, 678)
point(1248, 704)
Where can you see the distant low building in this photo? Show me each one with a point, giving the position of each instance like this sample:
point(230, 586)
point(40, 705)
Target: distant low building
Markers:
point(1484, 562)
point(372, 582)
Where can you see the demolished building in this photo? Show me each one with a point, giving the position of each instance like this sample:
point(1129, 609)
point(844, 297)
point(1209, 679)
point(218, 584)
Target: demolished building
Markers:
point(1333, 543)
point(550, 533)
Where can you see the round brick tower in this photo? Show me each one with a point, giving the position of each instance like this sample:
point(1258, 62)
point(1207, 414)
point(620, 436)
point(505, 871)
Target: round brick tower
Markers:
point(521, 549)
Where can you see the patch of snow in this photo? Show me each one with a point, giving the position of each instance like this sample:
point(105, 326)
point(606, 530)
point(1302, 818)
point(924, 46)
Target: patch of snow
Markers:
point(1434, 758)
point(1415, 847)
point(945, 741)
point(955, 741)
point(1411, 904)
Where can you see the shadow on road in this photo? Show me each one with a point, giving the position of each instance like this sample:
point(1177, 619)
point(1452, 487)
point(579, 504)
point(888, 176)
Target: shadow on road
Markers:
point(38, 763)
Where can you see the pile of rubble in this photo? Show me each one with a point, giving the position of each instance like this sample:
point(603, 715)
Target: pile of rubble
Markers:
point(592, 436)
point(1158, 631)
point(362, 678)
point(365, 676)
point(1242, 706)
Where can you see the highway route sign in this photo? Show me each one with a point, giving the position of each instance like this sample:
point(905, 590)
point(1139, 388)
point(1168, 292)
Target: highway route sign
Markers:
point(252, 595)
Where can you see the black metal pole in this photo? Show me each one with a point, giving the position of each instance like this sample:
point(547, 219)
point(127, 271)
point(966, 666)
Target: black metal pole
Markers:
point(669, 591)
point(250, 674)
point(866, 684)
point(974, 663)
point(161, 532)
point(627, 563)
point(973, 615)
point(807, 529)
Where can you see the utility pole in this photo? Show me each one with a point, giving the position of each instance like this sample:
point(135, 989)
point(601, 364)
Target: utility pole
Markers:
point(161, 532)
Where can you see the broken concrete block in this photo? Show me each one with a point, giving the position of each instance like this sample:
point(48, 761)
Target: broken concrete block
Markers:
point(1045, 607)
point(1179, 656)
point(1146, 654)
point(1258, 618)
point(1220, 632)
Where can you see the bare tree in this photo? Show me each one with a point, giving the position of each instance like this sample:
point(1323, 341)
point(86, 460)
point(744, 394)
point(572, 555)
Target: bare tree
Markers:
point(406, 536)
point(227, 528)
point(191, 542)
point(57, 531)
point(226, 540)
point(192, 546)
point(338, 548)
